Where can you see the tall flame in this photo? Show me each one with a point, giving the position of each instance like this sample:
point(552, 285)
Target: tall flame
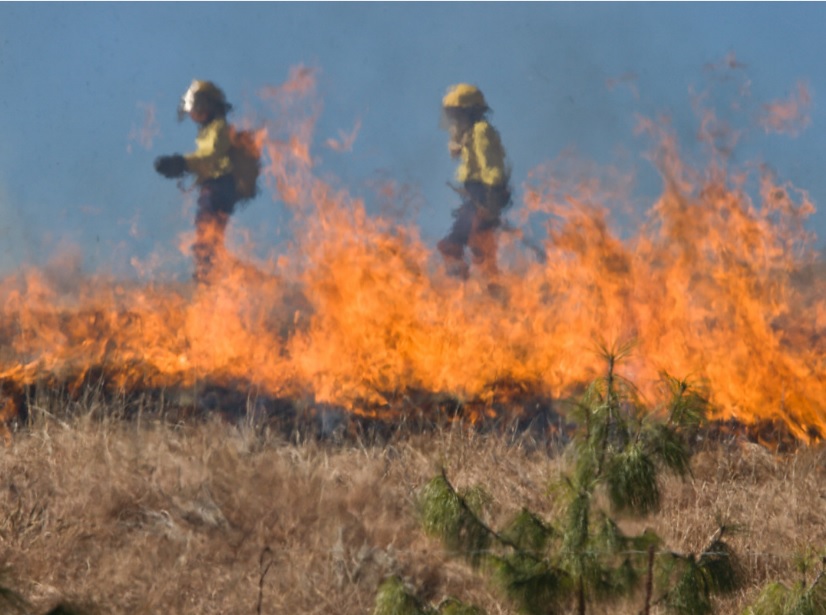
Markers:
point(357, 308)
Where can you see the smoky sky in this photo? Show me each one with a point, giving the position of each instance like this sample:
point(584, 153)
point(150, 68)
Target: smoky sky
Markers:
point(77, 79)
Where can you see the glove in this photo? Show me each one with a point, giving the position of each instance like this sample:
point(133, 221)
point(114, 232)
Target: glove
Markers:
point(170, 166)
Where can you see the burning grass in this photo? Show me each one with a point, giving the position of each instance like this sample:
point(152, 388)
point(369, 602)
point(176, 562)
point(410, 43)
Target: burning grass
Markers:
point(716, 279)
point(147, 516)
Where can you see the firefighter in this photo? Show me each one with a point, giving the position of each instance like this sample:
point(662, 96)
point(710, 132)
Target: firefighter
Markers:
point(211, 165)
point(484, 179)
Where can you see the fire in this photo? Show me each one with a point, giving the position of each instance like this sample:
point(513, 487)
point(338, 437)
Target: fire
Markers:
point(357, 311)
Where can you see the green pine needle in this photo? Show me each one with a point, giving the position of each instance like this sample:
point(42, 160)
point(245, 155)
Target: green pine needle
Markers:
point(699, 578)
point(527, 532)
point(446, 515)
point(477, 500)
point(577, 529)
point(631, 477)
point(394, 599)
point(532, 583)
point(777, 599)
point(720, 568)
point(451, 606)
point(668, 447)
point(688, 404)
point(690, 594)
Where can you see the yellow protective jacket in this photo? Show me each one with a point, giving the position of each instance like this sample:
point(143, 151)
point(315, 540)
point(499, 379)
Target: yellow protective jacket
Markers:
point(483, 157)
point(211, 156)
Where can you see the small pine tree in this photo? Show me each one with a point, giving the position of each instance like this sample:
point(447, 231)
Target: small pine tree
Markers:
point(620, 449)
point(622, 446)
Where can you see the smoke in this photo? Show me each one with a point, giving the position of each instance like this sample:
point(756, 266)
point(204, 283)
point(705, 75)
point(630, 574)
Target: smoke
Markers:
point(145, 133)
point(14, 235)
point(345, 140)
point(790, 116)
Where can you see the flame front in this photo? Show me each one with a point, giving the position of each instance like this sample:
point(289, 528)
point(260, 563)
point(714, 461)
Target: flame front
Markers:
point(715, 285)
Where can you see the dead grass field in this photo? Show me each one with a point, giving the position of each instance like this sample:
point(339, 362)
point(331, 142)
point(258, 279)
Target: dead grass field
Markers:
point(148, 517)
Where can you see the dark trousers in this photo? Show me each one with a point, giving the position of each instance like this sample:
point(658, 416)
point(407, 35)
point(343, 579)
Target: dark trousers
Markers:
point(216, 203)
point(474, 227)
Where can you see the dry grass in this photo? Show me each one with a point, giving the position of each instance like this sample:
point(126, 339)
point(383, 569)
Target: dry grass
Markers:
point(154, 518)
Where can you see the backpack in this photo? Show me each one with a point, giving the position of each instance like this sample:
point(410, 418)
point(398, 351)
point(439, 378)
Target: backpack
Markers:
point(245, 155)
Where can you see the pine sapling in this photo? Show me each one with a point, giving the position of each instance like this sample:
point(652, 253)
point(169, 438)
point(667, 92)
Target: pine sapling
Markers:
point(620, 447)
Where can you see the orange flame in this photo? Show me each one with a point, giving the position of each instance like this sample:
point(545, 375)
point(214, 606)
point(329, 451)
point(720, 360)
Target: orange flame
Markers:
point(357, 309)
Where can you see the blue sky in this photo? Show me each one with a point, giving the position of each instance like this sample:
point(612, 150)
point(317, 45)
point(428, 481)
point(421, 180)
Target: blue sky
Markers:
point(75, 79)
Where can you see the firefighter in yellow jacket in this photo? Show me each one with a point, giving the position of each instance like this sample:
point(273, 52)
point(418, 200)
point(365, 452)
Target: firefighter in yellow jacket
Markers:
point(484, 177)
point(211, 165)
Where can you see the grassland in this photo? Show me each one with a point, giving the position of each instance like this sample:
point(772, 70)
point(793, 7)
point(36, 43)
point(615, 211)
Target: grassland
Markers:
point(206, 516)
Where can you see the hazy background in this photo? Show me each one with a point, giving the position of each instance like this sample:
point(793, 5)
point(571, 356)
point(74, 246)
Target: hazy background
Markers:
point(79, 84)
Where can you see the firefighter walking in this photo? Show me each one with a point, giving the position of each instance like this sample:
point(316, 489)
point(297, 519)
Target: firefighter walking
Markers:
point(212, 166)
point(484, 179)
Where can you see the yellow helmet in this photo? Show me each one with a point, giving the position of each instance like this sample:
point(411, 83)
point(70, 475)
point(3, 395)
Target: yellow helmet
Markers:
point(464, 96)
point(201, 92)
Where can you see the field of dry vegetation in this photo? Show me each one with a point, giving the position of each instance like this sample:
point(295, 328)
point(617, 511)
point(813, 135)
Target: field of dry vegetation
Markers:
point(144, 516)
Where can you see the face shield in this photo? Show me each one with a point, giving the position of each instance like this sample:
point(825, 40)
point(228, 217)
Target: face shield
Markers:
point(448, 118)
point(451, 122)
point(188, 101)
